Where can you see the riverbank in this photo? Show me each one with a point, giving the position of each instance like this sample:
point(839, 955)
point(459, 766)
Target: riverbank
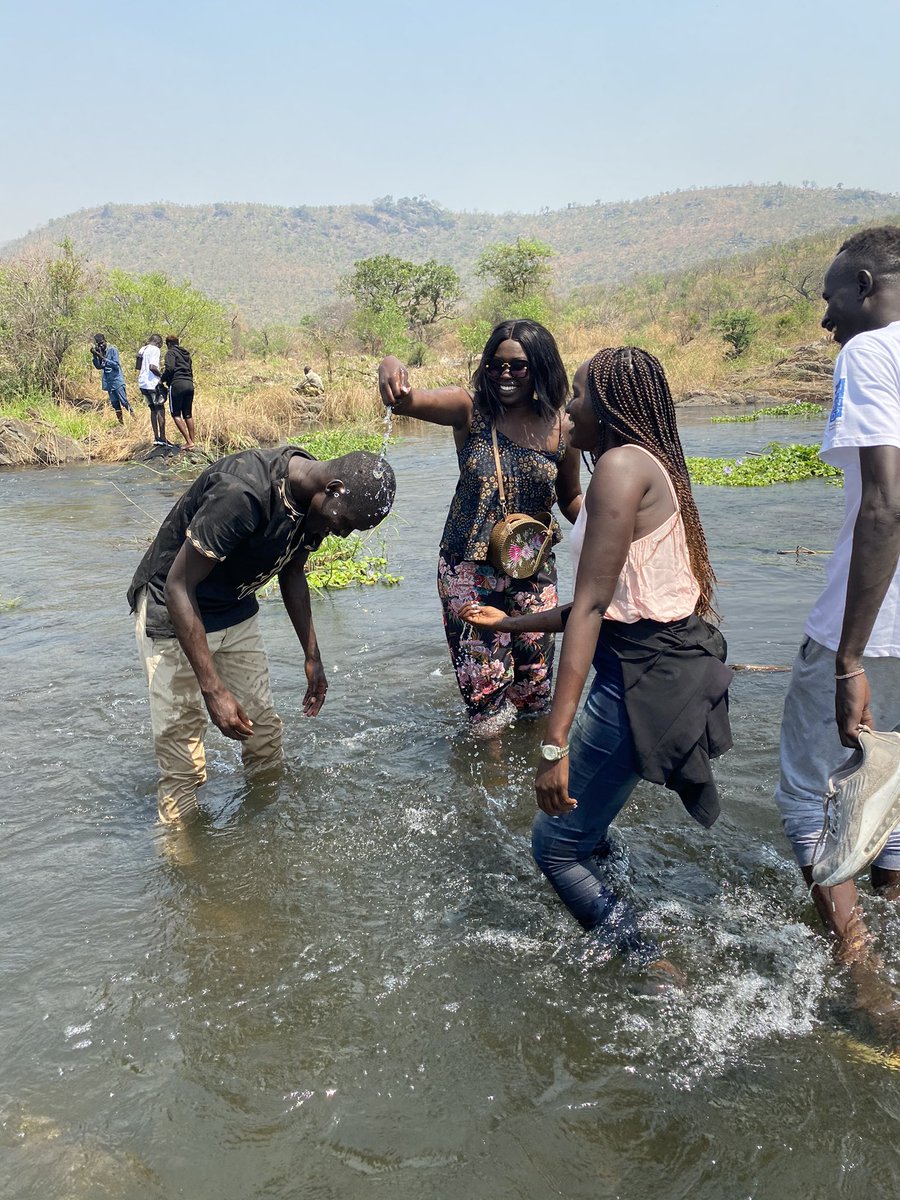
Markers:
point(251, 403)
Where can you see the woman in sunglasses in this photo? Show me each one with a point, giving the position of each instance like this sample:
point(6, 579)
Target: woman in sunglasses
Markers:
point(518, 391)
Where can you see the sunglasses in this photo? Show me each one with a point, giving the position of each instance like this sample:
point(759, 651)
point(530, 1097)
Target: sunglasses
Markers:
point(517, 367)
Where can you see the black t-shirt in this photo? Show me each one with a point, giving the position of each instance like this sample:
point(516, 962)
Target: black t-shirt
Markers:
point(238, 511)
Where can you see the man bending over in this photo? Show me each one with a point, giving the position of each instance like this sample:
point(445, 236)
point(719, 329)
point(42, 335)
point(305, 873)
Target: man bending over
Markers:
point(246, 518)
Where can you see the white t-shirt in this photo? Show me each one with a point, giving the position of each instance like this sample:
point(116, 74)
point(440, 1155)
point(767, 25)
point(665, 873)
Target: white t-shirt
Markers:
point(865, 412)
point(147, 381)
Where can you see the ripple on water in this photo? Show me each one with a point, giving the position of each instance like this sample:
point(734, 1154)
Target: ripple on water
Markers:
point(354, 977)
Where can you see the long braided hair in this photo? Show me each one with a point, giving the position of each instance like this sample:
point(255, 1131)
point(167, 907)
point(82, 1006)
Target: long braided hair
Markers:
point(630, 396)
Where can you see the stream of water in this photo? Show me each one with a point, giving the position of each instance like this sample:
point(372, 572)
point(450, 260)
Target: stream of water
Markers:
point(354, 982)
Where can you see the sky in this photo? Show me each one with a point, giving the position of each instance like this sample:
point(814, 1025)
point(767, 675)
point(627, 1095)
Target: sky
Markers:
point(472, 104)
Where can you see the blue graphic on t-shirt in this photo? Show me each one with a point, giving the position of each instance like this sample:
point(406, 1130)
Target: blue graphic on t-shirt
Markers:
point(837, 408)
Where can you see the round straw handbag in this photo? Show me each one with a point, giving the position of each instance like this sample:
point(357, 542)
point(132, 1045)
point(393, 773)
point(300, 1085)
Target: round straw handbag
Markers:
point(519, 542)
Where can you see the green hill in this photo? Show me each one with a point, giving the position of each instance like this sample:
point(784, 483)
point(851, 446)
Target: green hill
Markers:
point(276, 264)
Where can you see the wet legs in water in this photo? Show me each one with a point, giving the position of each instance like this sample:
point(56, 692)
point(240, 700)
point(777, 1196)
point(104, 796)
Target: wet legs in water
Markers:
point(601, 778)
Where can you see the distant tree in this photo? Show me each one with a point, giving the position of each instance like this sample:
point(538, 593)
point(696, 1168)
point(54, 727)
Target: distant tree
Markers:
point(496, 305)
point(45, 305)
point(269, 341)
point(423, 293)
point(797, 271)
point(517, 269)
point(327, 330)
point(383, 330)
point(130, 307)
point(738, 328)
point(472, 336)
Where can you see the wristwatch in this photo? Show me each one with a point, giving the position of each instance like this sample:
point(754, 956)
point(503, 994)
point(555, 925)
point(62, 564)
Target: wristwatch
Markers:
point(552, 753)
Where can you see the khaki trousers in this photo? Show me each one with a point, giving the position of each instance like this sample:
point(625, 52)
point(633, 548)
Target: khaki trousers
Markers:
point(179, 718)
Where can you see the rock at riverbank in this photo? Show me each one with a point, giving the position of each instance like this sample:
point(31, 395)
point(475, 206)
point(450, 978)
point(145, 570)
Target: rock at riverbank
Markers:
point(23, 445)
point(805, 374)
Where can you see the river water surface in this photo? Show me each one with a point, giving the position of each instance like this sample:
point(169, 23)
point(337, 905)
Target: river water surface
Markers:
point(355, 983)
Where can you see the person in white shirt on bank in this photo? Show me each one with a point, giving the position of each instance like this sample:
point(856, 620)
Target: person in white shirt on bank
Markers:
point(847, 674)
point(150, 383)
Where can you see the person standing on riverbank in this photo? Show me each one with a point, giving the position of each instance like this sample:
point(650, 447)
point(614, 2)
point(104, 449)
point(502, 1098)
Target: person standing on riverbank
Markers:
point(246, 518)
point(846, 674)
point(152, 387)
point(112, 379)
point(178, 376)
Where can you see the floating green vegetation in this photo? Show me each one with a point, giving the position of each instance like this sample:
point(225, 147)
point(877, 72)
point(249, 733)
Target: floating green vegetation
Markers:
point(332, 443)
point(776, 464)
point(341, 563)
point(7, 604)
point(799, 408)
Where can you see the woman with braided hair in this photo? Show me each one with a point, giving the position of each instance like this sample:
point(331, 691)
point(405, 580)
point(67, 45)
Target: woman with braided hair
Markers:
point(657, 707)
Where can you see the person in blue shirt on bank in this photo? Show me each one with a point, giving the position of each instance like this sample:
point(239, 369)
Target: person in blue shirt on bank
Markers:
point(106, 359)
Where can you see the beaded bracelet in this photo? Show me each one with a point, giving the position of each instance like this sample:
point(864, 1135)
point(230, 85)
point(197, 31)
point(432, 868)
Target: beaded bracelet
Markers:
point(852, 674)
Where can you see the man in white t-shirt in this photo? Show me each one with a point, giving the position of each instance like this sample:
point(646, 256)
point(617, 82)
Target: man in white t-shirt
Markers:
point(847, 672)
point(149, 382)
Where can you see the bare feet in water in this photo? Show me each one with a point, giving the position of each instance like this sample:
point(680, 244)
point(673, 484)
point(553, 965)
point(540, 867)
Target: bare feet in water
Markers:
point(660, 977)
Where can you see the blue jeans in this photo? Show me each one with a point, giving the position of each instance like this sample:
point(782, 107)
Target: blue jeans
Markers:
point(602, 776)
point(117, 397)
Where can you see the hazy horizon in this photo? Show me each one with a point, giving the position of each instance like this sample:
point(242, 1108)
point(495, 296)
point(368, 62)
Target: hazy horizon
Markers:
point(480, 112)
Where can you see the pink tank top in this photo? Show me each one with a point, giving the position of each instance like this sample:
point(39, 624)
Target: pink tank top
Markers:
point(656, 582)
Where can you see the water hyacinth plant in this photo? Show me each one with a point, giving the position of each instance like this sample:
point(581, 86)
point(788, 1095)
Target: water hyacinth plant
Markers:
point(776, 464)
point(799, 408)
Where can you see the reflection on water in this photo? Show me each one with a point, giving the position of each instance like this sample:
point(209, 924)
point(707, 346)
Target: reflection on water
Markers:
point(353, 981)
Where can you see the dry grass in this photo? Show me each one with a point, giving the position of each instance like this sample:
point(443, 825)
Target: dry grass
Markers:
point(251, 402)
point(254, 403)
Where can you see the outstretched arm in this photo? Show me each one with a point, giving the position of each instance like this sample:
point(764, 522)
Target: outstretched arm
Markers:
point(873, 561)
point(295, 595)
point(187, 572)
point(441, 406)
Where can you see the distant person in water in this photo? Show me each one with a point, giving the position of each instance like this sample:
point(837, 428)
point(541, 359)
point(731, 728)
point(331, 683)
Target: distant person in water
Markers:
point(246, 518)
point(152, 387)
point(657, 705)
point(112, 379)
point(178, 376)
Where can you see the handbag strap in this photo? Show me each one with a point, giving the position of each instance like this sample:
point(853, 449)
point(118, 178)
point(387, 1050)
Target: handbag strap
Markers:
point(500, 487)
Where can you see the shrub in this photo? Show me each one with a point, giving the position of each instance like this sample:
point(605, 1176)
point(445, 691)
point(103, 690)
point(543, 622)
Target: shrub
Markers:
point(738, 327)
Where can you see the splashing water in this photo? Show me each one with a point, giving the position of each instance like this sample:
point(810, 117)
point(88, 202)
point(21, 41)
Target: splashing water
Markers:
point(386, 437)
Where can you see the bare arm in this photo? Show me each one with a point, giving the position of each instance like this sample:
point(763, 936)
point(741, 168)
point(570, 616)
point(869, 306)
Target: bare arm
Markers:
point(187, 572)
point(568, 486)
point(873, 561)
point(441, 406)
point(613, 498)
point(295, 596)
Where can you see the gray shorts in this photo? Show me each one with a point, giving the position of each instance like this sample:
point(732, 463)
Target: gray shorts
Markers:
point(811, 748)
point(154, 399)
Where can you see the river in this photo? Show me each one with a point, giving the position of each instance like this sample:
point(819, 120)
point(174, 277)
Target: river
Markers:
point(355, 983)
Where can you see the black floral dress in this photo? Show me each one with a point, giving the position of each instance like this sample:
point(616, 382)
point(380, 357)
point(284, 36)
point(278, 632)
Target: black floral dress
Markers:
point(497, 672)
